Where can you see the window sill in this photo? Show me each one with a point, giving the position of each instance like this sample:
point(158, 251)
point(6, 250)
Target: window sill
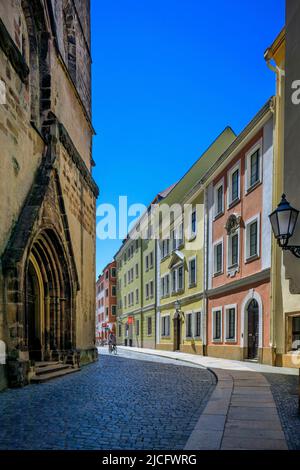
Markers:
point(218, 216)
point(218, 273)
point(191, 286)
point(230, 341)
point(234, 203)
point(217, 341)
point(253, 187)
point(252, 258)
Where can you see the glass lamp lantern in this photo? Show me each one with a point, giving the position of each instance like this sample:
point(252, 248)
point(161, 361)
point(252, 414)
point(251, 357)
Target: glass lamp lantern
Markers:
point(283, 220)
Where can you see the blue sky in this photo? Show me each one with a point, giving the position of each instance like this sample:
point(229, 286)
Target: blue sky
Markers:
point(168, 76)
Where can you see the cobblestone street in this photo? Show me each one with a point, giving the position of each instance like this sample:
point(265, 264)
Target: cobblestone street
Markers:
point(117, 403)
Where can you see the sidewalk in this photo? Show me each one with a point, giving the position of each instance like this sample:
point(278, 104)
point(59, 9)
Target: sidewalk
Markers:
point(241, 412)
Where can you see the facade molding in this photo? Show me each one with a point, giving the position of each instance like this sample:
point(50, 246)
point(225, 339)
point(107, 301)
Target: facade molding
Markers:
point(235, 285)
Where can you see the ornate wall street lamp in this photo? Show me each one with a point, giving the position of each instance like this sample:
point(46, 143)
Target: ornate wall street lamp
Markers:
point(283, 220)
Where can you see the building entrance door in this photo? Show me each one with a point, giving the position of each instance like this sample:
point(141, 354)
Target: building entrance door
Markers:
point(177, 333)
point(253, 330)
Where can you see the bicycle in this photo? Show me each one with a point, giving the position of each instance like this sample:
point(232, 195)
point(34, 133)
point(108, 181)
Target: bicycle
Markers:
point(112, 349)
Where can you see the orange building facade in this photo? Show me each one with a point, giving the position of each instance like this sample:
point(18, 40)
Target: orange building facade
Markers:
point(238, 240)
point(106, 302)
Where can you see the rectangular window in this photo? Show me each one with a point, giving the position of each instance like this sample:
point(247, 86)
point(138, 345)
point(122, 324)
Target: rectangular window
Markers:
point(220, 200)
point(235, 185)
point(218, 258)
point(106, 311)
point(192, 272)
point(188, 319)
point(147, 291)
point(217, 325)
point(137, 327)
point(151, 260)
point(174, 241)
point(167, 284)
point(253, 239)
point(163, 283)
point(151, 289)
point(295, 333)
point(165, 325)
point(125, 280)
point(181, 235)
point(194, 222)
point(233, 250)
point(113, 272)
point(114, 291)
point(254, 168)
point(180, 278)
point(231, 323)
point(136, 270)
point(174, 280)
point(113, 309)
point(120, 330)
point(125, 301)
point(106, 292)
point(198, 324)
point(149, 326)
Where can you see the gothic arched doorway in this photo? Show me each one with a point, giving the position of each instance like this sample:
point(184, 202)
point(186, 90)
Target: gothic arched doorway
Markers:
point(49, 308)
point(253, 329)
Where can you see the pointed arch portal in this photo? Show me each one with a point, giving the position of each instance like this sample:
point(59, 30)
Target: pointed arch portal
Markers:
point(49, 319)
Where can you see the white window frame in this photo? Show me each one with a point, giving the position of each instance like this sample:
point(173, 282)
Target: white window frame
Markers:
point(167, 292)
point(247, 257)
point(151, 283)
point(164, 318)
point(147, 291)
point(216, 188)
point(214, 310)
point(192, 258)
point(192, 234)
point(257, 146)
point(174, 290)
point(177, 278)
point(231, 267)
point(151, 260)
point(237, 166)
point(220, 241)
point(111, 310)
point(195, 323)
point(186, 325)
point(149, 318)
point(226, 323)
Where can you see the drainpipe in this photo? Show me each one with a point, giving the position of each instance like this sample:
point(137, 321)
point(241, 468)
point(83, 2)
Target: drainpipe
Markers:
point(205, 275)
point(276, 255)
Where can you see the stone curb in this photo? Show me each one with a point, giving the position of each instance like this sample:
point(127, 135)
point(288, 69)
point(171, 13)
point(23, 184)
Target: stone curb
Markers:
point(209, 430)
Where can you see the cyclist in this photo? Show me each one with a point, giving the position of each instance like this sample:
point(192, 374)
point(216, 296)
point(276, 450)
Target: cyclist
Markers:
point(112, 342)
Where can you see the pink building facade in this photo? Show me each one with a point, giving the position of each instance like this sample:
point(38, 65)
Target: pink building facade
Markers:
point(106, 302)
point(238, 240)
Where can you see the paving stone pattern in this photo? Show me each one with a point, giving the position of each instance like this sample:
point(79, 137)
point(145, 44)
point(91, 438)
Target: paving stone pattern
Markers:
point(117, 403)
point(285, 392)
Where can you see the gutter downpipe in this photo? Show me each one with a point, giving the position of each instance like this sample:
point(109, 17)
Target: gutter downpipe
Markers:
point(205, 275)
point(276, 255)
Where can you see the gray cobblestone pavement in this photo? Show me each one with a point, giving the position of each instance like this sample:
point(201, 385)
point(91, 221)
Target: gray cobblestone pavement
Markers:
point(117, 403)
point(285, 393)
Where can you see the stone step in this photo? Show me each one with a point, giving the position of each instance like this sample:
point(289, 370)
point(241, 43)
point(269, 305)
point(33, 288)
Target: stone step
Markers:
point(37, 379)
point(40, 370)
point(46, 363)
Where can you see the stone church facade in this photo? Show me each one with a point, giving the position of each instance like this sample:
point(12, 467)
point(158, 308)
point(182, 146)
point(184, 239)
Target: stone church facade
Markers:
point(48, 195)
